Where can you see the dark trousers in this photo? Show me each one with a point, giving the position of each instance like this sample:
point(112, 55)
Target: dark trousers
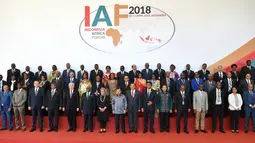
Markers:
point(234, 119)
point(71, 117)
point(53, 115)
point(148, 112)
point(88, 122)
point(164, 120)
point(133, 119)
point(249, 113)
point(102, 124)
point(217, 112)
point(182, 113)
point(119, 117)
point(38, 112)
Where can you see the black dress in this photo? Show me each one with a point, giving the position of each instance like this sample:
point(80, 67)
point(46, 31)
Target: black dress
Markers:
point(103, 102)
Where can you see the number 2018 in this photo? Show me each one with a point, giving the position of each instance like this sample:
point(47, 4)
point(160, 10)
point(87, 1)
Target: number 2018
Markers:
point(140, 10)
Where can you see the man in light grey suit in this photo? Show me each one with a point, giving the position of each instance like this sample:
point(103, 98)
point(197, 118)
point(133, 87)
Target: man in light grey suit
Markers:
point(200, 106)
point(19, 98)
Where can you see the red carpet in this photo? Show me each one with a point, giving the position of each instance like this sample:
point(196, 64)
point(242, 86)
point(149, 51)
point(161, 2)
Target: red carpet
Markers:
point(79, 137)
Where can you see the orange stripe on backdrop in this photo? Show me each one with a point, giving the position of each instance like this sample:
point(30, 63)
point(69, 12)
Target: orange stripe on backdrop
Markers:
point(239, 57)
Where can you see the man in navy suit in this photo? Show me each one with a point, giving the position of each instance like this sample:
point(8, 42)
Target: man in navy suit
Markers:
point(67, 71)
point(183, 81)
point(196, 82)
point(81, 72)
point(36, 104)
point(249, 107)
point(147, 72)
point(6, 106)
point(72, 79)
point(148, 107)
point(2, 83)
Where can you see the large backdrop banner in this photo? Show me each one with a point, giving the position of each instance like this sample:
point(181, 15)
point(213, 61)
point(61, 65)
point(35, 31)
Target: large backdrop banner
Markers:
point(126, 32)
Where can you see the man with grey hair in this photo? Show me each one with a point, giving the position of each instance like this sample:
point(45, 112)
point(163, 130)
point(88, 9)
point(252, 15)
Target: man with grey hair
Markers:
point(220, 75)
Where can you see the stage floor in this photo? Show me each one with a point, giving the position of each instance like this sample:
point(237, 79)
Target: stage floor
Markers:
point(80, 137)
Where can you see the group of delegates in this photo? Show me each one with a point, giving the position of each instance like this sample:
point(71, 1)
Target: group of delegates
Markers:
point(150, 93)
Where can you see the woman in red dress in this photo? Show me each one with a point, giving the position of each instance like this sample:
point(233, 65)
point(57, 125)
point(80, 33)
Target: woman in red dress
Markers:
point(140, 83)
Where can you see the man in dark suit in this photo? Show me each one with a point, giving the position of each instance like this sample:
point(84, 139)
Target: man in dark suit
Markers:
point(235, 73)
point(227, 84)
point(147, 72)
point(71, 106)
point(40, 73)
point(36, 103)
point(216, 97)
point(189, 74)
point(13, 71)
point(81, 72)
point(13, 84)
point(182, 107)
point(148, 106)
point(88, 109)
point(203, 73)
point(71, 79)
point(183, 81)
point(120, 77)
point(27, 83)
point(249, 107)
point(126, 85)
point(30, 74)
point(67, 71)
point(133, 74)
point(59, 81)
point(53, 105)
point(134, 106)
point(94, 73)
point(170, 83)
point(220, 75)
point(160, 74)
point(247, 69)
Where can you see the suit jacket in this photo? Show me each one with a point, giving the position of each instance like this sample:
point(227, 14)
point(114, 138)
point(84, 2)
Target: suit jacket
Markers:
point(209, 86)
point(248, 99)
point(38, 76)
point(125, 88)
point(200, 103)
point(46, 87)
point(97, 88)
point(217, 77)
point(147, 76)
point(19, 97)
point(184, 82)
point(189, 75)
point(243, 85)
point(212, 98)
point(235, 75)
point(31, 76)
point(133, 102)
point(171, 86)
point(179, 99)
point(133, 75)
point(59, 84)
point(203, 76)
point(93, 75)
point(88, 104)
point(71, 103)
point(226, 84)
point(27, 85)
point(245, 70)
point(76, 84)
point(146, 98)
point(36, 101)
point(3, 83)
point(195, 85)
point(53, 102)
point(80, 75)
point(66, 75)
point(14, 86)
point(16, 73)
point(6, 101)
point(121, 81)
point(160, 76)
